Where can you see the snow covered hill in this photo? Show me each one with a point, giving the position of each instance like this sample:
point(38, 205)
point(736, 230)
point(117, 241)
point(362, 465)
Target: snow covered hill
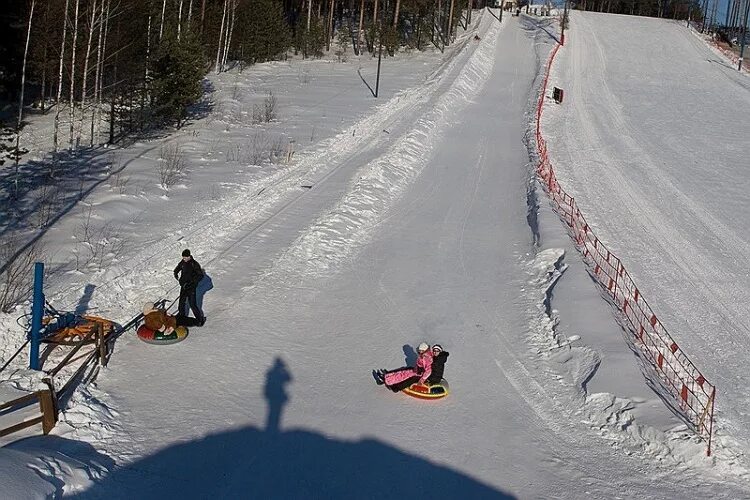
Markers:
point(414, 220)
point(652, 143)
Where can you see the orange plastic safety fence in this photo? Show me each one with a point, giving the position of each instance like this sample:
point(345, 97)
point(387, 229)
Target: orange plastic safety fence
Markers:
point(693, 395)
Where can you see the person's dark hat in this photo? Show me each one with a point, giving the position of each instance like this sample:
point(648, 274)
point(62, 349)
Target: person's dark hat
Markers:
point(186, 253)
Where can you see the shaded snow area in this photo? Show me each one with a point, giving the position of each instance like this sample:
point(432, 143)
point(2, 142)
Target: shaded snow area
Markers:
point(413, 217)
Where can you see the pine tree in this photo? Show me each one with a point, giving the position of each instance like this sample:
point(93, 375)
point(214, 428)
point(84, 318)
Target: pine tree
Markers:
point(262, 31)
point(177, 70)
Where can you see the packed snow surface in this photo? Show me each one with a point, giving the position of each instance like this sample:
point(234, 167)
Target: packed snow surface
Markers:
point(411, 218)
point(652, 143)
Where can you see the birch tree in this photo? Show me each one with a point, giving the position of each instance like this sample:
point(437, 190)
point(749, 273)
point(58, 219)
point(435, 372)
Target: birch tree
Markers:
point(92, 27)
point(230, 31)
point(161, 26)
point(17, 152)
point(361, 22)
point(98, 110)
point(221, 35)
point(97, 71)
point(55, 134)
point(329, 25)
point(71, 108)
point(179, 21)
point(190, 13)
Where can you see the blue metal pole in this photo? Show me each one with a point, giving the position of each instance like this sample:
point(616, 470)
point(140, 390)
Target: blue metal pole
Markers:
point(37, 310)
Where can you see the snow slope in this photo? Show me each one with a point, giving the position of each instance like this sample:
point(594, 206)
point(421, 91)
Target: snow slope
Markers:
point(652, 143)
point(414, 225)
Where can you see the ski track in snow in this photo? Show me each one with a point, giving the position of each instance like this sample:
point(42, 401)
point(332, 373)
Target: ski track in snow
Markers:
point(601, 146)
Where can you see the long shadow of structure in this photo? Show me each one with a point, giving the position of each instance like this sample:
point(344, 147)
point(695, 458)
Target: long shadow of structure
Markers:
point(273, 463)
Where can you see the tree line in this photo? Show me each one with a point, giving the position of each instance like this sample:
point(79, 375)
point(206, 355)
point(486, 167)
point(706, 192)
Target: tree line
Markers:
point(108, 68)
point(670, 9)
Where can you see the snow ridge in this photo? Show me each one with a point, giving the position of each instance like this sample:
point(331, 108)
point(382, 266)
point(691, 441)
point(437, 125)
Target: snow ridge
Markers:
point(334, 237)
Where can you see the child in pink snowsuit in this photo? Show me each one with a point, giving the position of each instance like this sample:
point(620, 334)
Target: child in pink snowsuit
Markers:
point(402, 378)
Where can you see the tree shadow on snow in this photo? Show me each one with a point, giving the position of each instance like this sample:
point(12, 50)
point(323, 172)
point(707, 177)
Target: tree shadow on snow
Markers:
point(275, 463)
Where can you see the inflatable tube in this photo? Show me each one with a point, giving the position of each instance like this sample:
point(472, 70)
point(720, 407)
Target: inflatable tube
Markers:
point(156, 337)
point(434, 391)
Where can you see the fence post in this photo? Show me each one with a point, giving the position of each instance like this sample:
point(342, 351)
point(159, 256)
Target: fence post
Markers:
point(711, 422)
point(101, 345)
point(37, 310)
point(49, 414)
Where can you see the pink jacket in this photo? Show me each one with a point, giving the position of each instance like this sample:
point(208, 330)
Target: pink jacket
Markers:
point(424, 362)
point(423, 369)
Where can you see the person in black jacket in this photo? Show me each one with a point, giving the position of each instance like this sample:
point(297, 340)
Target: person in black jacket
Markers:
point(439, 357)
point(189, 273)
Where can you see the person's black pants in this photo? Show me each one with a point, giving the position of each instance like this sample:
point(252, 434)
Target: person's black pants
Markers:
point(187, 294)
point(404, 384)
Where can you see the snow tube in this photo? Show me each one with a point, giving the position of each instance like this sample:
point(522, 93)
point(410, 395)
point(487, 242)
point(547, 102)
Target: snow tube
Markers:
point(434, 391)
point(157, 337)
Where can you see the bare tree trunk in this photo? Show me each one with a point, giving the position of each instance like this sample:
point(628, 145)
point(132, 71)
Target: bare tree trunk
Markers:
point(45, 61)
point(72, 108)
point(101, 71)
point(330, 26)
point(203, 13)
point(163, 11)
point(309, 14)
point(450, 19)
point(179, 21)
point(374, 23)
point(55, 134)
point(439, 16)
point(468, 13)
point(20, 99)
point(44, 78)
point(361, 23)
point(230, 32)
point(395, 14)
point(221, 37)
point(144, 91)
point(148, 49)
point(98, 71)
point(190, 13)
point(86, 72)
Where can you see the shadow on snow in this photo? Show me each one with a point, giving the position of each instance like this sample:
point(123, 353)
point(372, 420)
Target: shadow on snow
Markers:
point(272, 463)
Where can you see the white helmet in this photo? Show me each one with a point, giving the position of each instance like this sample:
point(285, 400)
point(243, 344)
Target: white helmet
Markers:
point(423, 347)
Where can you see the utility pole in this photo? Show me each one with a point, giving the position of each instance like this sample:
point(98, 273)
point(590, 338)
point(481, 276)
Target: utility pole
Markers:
point(744, 34)
point(380, 54)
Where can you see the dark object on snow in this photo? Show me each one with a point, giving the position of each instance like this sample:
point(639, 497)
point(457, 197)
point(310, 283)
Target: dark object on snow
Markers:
point(557, 95)
point(438, 367)
point(183, 320)
point(189, 274)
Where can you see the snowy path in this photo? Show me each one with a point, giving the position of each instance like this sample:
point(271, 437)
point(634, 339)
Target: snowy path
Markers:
point(659, 170)
point(274, 397)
